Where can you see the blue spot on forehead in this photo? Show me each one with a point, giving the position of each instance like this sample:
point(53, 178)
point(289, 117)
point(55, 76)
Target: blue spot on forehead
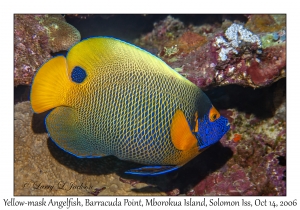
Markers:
point(78, 74)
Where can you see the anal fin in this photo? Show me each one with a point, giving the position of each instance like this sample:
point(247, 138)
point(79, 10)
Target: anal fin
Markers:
point(152, 170)
point(65, 130)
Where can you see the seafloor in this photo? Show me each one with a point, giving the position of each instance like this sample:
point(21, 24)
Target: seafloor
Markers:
point(245, 82)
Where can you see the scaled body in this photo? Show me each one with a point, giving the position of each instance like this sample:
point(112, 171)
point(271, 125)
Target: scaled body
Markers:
point(113, 98)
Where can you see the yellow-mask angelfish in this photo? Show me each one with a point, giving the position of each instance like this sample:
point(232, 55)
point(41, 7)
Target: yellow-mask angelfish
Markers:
point(112, 98)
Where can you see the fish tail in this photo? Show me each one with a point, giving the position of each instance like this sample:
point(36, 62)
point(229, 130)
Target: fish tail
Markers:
point(50, 85)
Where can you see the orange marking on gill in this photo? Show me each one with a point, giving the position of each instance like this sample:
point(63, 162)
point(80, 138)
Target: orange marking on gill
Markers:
point(181, 134)
point(213, 114)
point(196, 129)
point(237, 137)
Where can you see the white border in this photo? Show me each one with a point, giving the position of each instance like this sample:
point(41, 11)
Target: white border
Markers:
point(8, 8)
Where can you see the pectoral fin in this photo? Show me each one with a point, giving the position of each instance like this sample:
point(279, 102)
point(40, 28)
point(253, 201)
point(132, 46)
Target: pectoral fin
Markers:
point(181, 134)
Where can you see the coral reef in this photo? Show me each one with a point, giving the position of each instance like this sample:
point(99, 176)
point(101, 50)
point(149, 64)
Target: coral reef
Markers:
point(214, 55)
point(257, 165)
point(231, 181)
point(61, 34)
point(30, 46)
point(35, 37)
point(260, 23)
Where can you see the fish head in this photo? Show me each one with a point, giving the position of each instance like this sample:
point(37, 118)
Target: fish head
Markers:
point(210, 128)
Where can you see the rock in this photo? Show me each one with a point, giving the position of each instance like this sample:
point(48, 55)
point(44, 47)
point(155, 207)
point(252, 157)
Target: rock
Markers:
point(41, 168)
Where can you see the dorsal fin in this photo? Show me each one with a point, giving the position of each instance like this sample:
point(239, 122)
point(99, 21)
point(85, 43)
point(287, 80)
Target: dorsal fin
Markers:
point(181, 134)
point(100, 54)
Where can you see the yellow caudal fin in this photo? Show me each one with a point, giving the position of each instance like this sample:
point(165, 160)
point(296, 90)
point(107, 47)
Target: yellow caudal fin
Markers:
point(50, 85)
point(181, 134)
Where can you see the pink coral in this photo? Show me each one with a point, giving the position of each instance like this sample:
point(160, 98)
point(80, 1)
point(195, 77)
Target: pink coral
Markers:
point(31, 48)
point(35, 37)
point(214, 56)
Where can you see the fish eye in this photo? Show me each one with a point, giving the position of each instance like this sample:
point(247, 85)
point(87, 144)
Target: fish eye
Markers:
point(213, 114)
point(78, 74)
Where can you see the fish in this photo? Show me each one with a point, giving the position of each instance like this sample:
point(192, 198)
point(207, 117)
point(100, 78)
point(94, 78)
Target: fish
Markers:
point(110, 97)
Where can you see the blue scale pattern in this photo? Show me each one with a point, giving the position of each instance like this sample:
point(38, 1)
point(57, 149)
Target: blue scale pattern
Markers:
point(211, 132)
